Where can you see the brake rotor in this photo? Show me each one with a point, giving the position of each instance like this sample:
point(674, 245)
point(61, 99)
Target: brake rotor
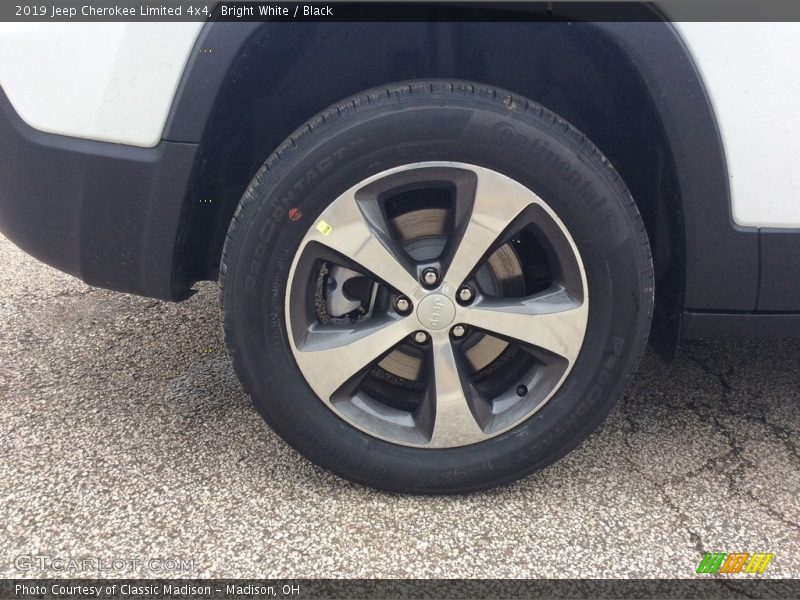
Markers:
point(424, 235)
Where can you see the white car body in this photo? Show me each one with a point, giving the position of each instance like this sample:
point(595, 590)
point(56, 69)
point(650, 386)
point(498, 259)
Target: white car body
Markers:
point(115, 82)
point(111, 82)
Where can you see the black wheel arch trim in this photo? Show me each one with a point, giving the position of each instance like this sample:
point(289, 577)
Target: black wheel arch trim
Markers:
point(712, 242)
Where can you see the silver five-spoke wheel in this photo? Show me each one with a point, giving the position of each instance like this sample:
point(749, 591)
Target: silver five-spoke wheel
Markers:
point(436, 304)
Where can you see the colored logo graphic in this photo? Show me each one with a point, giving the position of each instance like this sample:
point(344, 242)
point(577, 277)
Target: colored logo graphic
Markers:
point(737, 562)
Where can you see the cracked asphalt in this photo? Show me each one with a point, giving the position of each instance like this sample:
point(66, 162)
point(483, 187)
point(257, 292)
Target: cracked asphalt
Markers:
point(126, 434)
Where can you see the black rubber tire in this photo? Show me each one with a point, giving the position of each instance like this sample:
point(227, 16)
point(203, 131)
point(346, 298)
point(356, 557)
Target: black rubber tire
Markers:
point(426, 121)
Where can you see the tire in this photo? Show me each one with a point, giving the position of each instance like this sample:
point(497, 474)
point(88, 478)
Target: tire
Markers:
point(581, 252)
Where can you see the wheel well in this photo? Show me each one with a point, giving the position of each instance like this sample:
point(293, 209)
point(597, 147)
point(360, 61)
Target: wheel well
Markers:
point(284, 75)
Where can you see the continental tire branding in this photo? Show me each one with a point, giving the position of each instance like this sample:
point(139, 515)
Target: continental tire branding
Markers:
point(504, 135)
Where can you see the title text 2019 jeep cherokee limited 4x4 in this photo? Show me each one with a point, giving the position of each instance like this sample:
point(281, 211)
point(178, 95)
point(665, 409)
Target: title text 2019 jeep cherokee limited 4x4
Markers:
point(440, 246)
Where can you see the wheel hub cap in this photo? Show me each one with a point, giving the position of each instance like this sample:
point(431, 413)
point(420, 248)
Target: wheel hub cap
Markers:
point(436, 312)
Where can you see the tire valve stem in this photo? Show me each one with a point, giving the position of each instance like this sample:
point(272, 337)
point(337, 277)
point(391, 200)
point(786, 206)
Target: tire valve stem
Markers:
point(522, 390)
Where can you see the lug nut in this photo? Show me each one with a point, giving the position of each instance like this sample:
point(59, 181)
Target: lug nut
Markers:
point(420, 337)
point(402, 305)
point(465, 294)
point(459, 331)
point(430, 277)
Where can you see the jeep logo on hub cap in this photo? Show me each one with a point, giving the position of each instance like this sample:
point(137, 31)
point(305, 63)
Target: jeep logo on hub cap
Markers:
point(436, 312)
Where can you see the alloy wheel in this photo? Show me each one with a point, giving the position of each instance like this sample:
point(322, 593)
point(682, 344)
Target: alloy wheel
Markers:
point(437, 304)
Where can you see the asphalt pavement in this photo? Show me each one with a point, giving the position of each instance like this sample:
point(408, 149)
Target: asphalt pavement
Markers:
point(126, 436)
